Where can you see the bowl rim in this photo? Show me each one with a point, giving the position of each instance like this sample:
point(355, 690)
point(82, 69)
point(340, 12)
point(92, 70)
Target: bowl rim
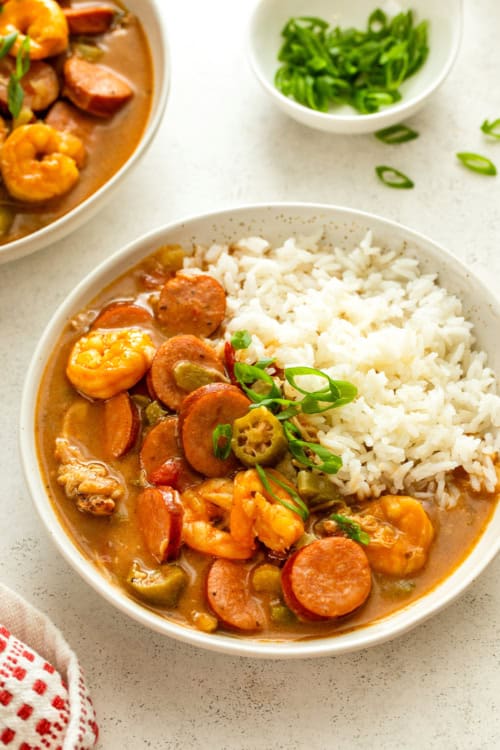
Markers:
point(374, 118)
point(392, 626)
point(83, 211)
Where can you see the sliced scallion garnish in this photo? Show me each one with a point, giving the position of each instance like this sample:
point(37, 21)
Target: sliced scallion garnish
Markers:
point(491, 128)
point(241, 340)
point(221, 440)
point(351, 528)
point(300, 507)
point(249, 375)
point(396, 134)
point(15, 92)
point(477, 163)
point(329, 463)
point(7, 42)
point(323, 66)
point(394, 178)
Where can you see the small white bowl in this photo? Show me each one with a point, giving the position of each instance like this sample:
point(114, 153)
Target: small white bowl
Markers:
point(264, 41)
point(151, 18)
point(342, 227)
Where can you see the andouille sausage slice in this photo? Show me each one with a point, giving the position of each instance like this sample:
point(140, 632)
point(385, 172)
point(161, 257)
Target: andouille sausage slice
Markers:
point(89, 19)
point(162, 458)
point(40, 84)
point(230, 597)
point(191, 304)
point(172, 352)
point(201, 412)
point(121, 424)
point(159, 516)
point(122, 315)
point(328, 578)
point(94, 87)
point(65, 117)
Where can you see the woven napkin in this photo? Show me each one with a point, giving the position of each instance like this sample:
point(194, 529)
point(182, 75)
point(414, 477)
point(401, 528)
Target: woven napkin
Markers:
point(44, 703)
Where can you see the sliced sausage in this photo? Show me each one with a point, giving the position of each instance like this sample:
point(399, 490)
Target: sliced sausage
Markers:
point(176, 472)
point(122, 315)
point(328, 578)
point(160, 443)
point(201, 412)
point(94, 88)
point(89, 19)
point(229, 595)
point(191, 304)
point(162, 458)
point(179, 349)
point(40, 84)
point(159, 516)
point(121, 424)
point(63, 116)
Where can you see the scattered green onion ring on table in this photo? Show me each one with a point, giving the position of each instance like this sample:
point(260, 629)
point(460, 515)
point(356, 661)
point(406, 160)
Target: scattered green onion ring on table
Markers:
point(491, 128)
point(394, 178)
point(477, 163)
point(324, 66)
point(396, 134)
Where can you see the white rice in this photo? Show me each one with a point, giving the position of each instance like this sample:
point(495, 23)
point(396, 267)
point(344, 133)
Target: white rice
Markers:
point(427, 402)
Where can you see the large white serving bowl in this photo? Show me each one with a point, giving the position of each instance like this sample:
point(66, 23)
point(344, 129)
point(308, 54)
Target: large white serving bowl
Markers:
point(264, 41)
point(343, 227)
point(151, 18)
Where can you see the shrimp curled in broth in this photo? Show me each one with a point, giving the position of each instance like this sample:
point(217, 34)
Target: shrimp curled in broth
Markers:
point(401, 534)
point(42, 20)
point(256, 514)
point(104, 363)
point(204, 505)
point(39, 163)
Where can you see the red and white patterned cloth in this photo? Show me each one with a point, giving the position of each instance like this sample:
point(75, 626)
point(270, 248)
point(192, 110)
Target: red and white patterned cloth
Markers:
point(44, 703)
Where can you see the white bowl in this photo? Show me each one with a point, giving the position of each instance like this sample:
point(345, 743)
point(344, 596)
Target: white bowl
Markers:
point(264, 41)
point(344, 227)
point(152, 21)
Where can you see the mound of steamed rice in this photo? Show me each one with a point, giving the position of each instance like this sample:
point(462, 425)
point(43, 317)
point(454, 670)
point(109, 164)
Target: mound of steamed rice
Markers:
point(427, 402)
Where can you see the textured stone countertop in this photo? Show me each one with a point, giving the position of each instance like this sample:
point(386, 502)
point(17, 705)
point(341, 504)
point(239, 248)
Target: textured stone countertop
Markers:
point(223, 143)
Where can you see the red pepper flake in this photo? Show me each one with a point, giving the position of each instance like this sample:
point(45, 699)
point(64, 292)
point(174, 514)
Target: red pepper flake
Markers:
point(230, 361)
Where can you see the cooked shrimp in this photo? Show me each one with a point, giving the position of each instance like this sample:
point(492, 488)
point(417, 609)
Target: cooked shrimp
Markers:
point(42, 20)
point(204, 505)
point(255, 513)
point(401, 534)
point(104, 363)
point(38, 162)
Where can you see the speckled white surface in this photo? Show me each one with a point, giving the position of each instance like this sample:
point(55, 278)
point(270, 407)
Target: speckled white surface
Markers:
point(222, 143)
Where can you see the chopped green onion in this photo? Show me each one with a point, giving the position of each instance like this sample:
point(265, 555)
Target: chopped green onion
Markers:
point(491, 128)
point(15, 96)
point(7, 42)
point(250, 374)
point(23, 58)
point(263, 363)
point(221, 440)
point(396, 134)
point(351, 529)
point(329, 463)
point(394, 178)
point(337, 393)
point(477, 163)
point(241, 340)
point(15, 92)
point(300, 507)
point(324, 66)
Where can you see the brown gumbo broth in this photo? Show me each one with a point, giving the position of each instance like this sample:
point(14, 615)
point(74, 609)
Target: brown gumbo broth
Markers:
point(77, 99)
point(117, 542)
